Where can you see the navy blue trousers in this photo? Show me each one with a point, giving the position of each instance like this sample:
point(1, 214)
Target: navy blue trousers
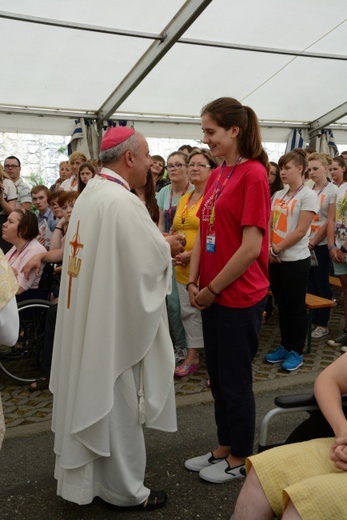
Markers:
point(318, 284)
point(231, 342)
point(288, 282)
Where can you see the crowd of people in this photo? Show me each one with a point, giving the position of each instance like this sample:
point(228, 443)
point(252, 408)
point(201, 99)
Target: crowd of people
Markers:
point(181, 253)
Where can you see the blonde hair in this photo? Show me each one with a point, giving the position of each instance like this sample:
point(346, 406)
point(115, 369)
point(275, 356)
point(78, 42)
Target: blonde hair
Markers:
point(77, 155)
point(323, 158)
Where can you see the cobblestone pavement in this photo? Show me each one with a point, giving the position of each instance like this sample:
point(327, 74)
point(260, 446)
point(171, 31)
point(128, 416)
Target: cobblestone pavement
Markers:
point(22, 407)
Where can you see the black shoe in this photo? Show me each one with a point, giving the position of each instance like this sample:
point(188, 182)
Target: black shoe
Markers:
point(155, 500)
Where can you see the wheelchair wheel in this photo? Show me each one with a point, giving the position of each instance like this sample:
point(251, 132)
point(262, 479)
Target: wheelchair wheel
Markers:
point(21, 363)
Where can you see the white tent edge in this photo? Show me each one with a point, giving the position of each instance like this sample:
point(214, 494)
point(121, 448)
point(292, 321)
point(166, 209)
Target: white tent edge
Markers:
point(41, 124)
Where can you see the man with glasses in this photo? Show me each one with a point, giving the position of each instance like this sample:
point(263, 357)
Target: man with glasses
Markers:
point(12, 166)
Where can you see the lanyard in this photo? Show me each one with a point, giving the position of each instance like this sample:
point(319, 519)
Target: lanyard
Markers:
point(282, 201)
point(113, 179)
point(187, 209)
point(16, 252)
point(170, 208)
point(320, 191)
point(217, 192)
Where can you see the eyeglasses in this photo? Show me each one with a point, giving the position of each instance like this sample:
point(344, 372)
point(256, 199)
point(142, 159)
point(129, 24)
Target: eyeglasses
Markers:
point(177, 166)
point(198, 165)
point(8, 166)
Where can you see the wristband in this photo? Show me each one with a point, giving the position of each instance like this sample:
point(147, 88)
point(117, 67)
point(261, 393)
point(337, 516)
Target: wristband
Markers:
point(190, 283)
point(60, 229)
point(331, 247)
point(210, 288)
point(272, 253)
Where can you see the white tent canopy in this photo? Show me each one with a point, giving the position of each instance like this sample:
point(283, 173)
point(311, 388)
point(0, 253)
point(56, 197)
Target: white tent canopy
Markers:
point(157, 62)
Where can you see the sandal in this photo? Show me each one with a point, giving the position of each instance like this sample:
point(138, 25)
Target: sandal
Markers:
point(155, 500)
point(41, 384)
point(184, 370)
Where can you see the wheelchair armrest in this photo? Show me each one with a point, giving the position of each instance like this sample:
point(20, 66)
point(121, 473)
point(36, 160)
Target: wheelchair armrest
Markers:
point(293, 401)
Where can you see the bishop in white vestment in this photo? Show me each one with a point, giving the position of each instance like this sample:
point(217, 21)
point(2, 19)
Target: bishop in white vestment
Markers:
point(113, 361)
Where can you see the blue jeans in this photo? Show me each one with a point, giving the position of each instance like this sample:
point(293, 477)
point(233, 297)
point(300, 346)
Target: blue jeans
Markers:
point(318, 284)
point(177, 332)
point(231, 342)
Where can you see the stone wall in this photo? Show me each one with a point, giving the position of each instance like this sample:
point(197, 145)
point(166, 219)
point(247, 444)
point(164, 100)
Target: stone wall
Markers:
point(40, 155)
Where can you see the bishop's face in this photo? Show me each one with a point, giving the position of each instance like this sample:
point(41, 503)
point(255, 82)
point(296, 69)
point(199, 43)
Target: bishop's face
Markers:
point(142, 162)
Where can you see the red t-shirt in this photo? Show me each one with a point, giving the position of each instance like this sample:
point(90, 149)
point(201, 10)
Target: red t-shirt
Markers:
point(245, 201)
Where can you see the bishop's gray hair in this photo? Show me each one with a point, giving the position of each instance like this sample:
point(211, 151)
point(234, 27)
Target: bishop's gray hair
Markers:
point(114, 154)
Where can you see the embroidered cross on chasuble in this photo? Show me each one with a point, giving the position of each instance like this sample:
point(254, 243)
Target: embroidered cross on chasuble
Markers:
point(74, 264)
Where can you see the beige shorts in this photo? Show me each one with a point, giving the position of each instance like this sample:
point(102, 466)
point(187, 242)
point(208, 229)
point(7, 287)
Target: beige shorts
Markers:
point(191, 319)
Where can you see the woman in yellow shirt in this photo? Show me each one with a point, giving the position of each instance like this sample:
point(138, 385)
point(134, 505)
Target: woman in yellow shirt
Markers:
point(186, 222)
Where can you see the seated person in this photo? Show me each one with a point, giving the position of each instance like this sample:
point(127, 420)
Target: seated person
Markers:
point(66, 202)
point(9, 319)
point(45, 217)
point(21, 229)
point(53, 204)
point(304, 480)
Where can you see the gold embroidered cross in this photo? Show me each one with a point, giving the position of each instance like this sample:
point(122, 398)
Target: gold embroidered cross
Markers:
point(74, 265)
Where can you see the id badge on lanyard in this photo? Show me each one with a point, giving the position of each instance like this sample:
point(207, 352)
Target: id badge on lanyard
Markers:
point(211, 242)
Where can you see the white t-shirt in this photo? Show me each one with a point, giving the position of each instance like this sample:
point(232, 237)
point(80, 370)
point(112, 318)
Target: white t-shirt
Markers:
point(341, 215)
point(10, 192)
point(326, 197)
point(285, 217)
point(66, 185)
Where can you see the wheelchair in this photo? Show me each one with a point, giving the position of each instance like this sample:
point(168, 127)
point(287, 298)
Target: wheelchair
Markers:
point(21, 363)
point(314, 426)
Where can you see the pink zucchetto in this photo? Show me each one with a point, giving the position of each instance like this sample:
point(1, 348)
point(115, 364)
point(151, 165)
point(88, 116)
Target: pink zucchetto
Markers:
point(116, 135)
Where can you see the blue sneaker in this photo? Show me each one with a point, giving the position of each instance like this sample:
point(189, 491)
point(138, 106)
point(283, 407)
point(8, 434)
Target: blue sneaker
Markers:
point(292, 362)
point(280, 354)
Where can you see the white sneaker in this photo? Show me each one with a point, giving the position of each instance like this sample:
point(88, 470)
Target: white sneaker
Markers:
point(204, 461)
point(340, 341)
point(319, 332)
point(343, 349)
point(222, 472)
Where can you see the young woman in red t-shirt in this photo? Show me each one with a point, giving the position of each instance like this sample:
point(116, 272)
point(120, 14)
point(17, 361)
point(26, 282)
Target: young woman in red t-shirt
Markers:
point(230, 256)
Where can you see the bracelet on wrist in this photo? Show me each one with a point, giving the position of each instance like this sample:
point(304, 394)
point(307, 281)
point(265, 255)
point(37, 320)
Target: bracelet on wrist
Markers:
point(272, 253)
point(60, 228)
point(210, 288)
point(331, 247)
point(190, 283)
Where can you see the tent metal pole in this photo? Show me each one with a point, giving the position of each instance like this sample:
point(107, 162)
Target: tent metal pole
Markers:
point(328, 118)
point(183, 19)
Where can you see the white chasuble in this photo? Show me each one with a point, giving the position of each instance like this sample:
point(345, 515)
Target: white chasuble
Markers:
point(111, 319)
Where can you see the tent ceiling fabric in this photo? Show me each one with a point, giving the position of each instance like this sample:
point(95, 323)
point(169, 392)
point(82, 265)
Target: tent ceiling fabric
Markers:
point(69, 70)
